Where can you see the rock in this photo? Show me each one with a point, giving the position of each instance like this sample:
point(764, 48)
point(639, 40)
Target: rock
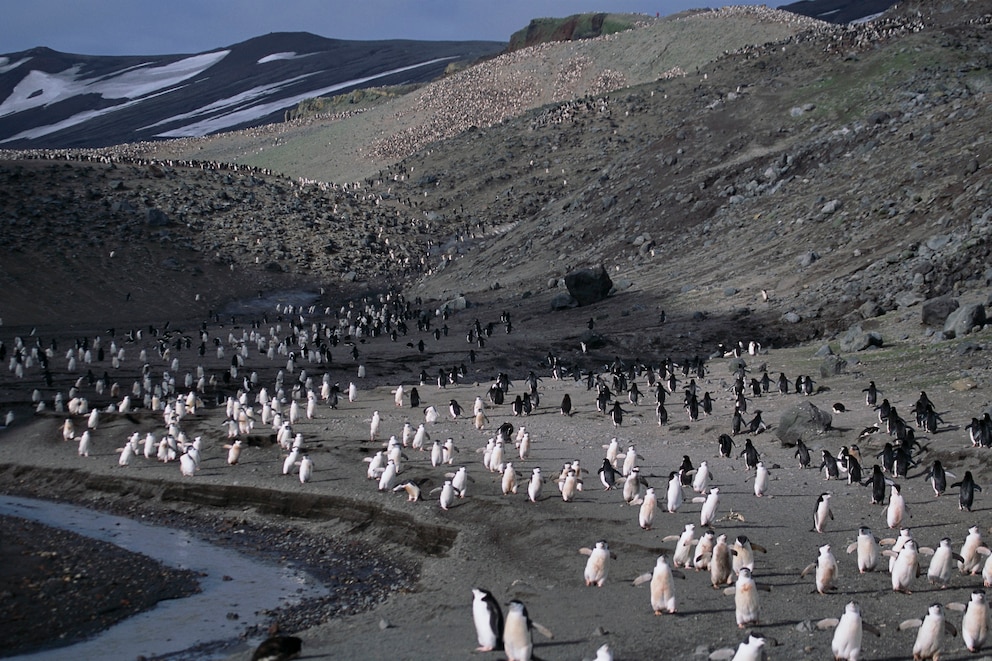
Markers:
point(274, 267)
point(832, 366)
point(456, 304)
point(791, 318)
point(807, 259)
point(350, 276)
point(964, 384)
point(823, 351)
point(870, 310)
point(967, 317)
point(908, 299)
point(735, 365)
point(857, 339)
point(934, 311)
point(156, 217)
point(802, 421)
point(729, 291)
point(172, 264)
point(589, 285)
point(563, 301)
point(830, 207)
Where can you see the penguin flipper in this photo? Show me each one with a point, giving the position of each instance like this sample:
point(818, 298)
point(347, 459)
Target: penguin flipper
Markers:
point(642, 579)
point(731, 591)
point(585, 550)
point(671, 538)
point(758, 547)
point(543, 630)
point(871, 628)
point(909, 624)
point(950, 628)
point(956, 606)
point(827, 623)
point(852, 547)
point(810, 567)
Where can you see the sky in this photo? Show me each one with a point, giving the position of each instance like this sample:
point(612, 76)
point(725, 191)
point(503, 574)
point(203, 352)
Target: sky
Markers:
point(154, 27)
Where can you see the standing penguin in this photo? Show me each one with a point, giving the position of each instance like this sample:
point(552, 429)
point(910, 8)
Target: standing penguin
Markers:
point(868, 552)
point(649, 505)
point(942, 564)
point(826, 570)
point(975, 623)
point(938, 478)
point(598, 564)
point(750, 454)
point(897, 509)
point(849, 633)
point(708, 512)
point(966, 496)
point(930, 638)
point(518, 642)
point(802, 453)
point(760, 479)
point(662, 586)
point(747, 609)
point(607, 475)
point(822, 512)
point(534, 485)
point(488, 619)
point(616, 414)
point(674, 491)
point(906, 567)
point(566, 405)
point(877, 483)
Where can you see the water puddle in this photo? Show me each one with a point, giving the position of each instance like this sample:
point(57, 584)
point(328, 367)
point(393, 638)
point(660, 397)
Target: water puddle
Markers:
point(267, 301)
point(200, 620)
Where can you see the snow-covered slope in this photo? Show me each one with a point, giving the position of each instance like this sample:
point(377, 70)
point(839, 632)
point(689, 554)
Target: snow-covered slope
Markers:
point(52, 99)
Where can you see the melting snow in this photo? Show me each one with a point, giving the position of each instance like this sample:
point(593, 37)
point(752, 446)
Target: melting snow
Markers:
point(6, 65)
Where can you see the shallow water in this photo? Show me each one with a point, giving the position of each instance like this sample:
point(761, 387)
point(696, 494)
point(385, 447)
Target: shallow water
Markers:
point(200, 620)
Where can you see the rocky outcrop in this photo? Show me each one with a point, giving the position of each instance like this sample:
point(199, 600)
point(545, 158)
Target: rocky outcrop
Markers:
point(589, 285)
point(803, 421)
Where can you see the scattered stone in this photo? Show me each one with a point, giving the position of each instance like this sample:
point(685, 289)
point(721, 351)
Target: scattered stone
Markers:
point(791, 318)
point(908, 299)
point(870, 310)
point(156, 218)
point(807, 259)
point(830, 207)
point(832, 366)
point(823, 351)
point(961, 385)
point(563, 301)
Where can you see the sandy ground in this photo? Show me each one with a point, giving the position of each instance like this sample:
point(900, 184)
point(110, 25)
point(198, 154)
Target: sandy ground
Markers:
point(530, 551)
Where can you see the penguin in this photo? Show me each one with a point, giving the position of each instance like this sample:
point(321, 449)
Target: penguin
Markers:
point(649, 505)
point(750, 454)
point(970, 549)
point(616, 414)
point(906, 568)
point(743, 552)
point(708, 512)
point(661, 413)
point(607, 475)
point(867, 548)
point(975, 623)
point(598, 565)
point(826, 570)
point(632, 485)
point(454, 409)
point(306, 469)
point(701, 480)
point(686, 470)
point(853, 467)
point(569, 483)
point(760, 480)
point(278, 647)
point(566, 405)
point(459, 480)
point(509, 481)
point(683, 549)
point(849, 632)
point(877, 482)
point(675, 497)
point(448, 493)
point(518, 642)
point(802, 453)
point(942, 563)
point(703, 552)
point(411, 488)
point(721, 563)
point(388, 476)
point(662, 586)
point(829, 466)
point(629, 459)
point(871, 394)
point(930, 638)
point(726, 442)
point(747, 608)
point(897, 509)
point(966, 496)
point(822, 512)
point(938, 478)
point(488, 619)
point(534, 485)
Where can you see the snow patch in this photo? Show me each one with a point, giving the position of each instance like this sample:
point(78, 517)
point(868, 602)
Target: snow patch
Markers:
point(281, 56)
point(39, 88)
point(5, 64)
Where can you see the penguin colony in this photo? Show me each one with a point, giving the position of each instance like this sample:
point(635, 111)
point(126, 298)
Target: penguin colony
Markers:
point(700, 528)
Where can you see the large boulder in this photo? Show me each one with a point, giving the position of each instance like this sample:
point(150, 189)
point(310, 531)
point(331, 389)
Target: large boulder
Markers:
point(960, 322)
point(589, 285)
point(856, 339)
point(936, 310)
point(802, 421)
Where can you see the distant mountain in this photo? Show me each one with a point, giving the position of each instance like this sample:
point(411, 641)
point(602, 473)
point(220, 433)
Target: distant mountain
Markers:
point(839, 11)
point(50, 99)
